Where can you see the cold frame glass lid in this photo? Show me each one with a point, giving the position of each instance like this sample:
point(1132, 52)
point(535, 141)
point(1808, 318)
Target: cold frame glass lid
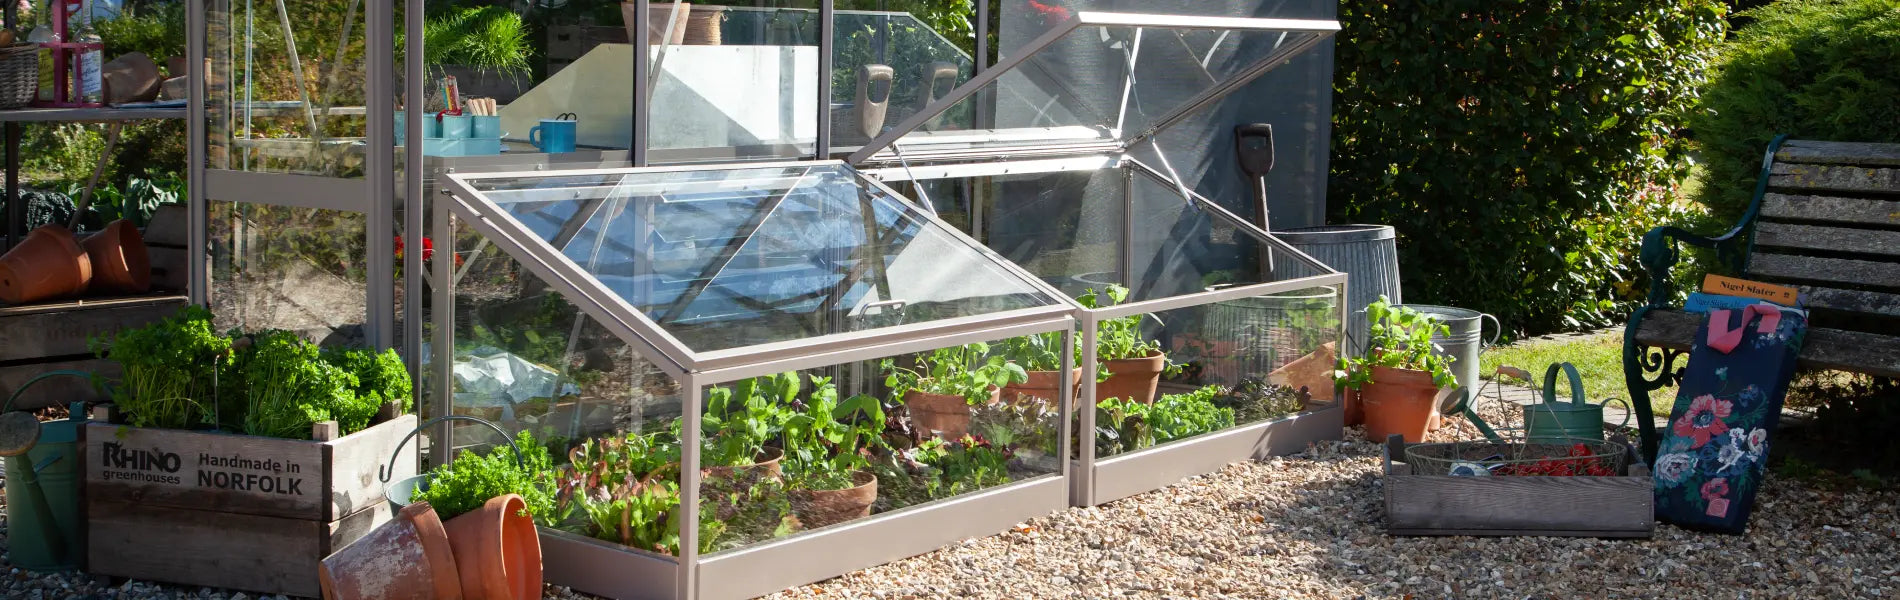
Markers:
point(1097, 77)
point(725, 258)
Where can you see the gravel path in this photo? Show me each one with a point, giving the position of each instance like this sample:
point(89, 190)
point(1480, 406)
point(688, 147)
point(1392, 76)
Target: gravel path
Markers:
point(1310, 526)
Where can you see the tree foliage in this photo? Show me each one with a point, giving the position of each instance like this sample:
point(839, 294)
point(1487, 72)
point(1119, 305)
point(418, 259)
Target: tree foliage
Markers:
point(1520, 148)
point(1814, 69)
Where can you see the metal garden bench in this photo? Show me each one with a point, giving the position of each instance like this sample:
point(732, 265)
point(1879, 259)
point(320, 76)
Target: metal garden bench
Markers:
point(1825, 219)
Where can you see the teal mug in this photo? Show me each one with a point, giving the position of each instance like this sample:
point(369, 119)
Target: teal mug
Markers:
point(555, 135)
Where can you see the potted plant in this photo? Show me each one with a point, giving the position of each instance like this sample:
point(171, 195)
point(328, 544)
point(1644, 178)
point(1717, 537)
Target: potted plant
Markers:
point(1400, 376)
point(827, 448)
point(741, 421)
point(945, 383)
point(1040, 356)
point(1134, 363)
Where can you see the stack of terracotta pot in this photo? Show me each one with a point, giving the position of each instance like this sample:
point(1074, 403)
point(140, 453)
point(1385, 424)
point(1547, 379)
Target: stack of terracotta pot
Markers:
point(491, 553)
point(50, 264)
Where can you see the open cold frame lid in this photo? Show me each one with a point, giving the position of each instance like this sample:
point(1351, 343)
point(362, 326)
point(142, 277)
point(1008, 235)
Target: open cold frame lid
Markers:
point(1094, 82)
point(720, 266)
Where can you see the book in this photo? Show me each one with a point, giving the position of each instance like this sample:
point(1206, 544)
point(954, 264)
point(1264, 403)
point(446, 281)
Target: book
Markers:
point(1704, 302)
point(1730, 286)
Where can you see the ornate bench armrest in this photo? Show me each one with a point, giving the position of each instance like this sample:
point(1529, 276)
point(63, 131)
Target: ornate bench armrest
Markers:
point(1661, 251)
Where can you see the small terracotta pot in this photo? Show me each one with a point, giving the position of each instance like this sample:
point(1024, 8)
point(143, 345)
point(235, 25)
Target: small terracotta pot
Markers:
point(945, 414)
point(821, 508)
point(497, 551)
point(1399, 401)
point(407, 558)
point(1042, 386)
point(47, 264)
point(119, 262)
point(1132, 378)
point(765, 465)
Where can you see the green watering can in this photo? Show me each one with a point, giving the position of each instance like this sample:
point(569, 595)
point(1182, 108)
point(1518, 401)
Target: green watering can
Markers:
point(42, 491)
point(1551, 421)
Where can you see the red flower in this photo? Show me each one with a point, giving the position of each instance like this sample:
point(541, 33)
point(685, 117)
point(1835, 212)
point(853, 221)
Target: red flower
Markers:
point(428, 250)
point(1051, 14)
point(1715, 488)
point(1704, 419)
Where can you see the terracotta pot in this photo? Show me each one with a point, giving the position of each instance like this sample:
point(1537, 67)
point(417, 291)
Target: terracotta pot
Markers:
point(48, 264)
point(765, 465)
point(407, 558)
point(497, 551)
point(1132, 378)
point(1399, 401)
point(1041, 386)
point(947, 415)
point(821, 508)
point(119, 262)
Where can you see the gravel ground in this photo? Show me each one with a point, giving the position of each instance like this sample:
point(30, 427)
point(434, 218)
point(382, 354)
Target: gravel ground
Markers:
point(1311, 526)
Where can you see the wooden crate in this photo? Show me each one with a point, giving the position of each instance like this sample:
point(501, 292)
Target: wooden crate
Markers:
point(233, 511)
point(38, 338)
point(1606, 507)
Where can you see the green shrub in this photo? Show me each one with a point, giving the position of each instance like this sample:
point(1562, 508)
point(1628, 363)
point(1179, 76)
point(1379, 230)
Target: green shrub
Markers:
point(471, 479)
point(1517, 147)
point(1813, 69)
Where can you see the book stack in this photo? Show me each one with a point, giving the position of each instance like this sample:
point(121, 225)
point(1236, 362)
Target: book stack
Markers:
point(1719, 292)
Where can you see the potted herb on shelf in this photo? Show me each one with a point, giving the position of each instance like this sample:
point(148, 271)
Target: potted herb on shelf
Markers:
point(1040, 356)
point(827, 450)
point(1134, 363)
point(939, 391)
point(1400, 377)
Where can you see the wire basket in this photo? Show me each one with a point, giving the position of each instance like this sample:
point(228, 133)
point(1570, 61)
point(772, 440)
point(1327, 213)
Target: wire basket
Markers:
point(19, 75)
point(1481, 458)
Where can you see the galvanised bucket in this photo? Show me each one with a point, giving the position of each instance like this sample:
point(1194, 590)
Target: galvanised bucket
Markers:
point(1464, 342)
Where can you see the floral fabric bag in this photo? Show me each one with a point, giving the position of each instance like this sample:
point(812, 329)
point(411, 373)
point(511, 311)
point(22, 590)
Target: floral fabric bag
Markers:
point(1714, 451)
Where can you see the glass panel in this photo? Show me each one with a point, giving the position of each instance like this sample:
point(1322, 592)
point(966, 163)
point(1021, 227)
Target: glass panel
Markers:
point(798, 451)
point(300, 269)
point(1064, 227)
point(891, 62)
point(1100, 83)
point(285, 92)
point(751, 96)
point(1225, 364)
point(1182, 248)
point(528, 361)
point(729, 258)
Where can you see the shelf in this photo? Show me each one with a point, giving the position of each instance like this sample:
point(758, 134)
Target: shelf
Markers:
point(89, 114)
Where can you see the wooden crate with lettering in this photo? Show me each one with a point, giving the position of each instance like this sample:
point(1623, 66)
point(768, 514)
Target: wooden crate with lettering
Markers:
point(233, 511)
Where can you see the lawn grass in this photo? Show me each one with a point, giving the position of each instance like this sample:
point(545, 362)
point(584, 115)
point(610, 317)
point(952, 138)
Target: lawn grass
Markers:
point(1599, 359)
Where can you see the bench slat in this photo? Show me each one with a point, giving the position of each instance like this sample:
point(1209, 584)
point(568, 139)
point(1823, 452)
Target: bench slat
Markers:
point(1840, 153)
point(1809, 269)
point(1856, 302)
point(1790, 176)
point(1833, 239)
point(1827, 209)
point(1834, 349)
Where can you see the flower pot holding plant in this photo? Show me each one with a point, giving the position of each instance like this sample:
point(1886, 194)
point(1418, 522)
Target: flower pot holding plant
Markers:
point(408, 558)
point(497, 551)
point(1042, 386)
point(822, 508)
point(48, 264)
point(1133, 378)
point(764, 466)
point(120, 264)
point(1400, 401)
point(946, 414)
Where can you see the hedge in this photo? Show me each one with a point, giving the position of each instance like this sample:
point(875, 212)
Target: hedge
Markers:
point(1521, 148)
point(1814, 69)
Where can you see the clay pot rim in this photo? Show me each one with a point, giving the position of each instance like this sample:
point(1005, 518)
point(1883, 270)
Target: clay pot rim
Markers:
point(1155, 355)
point(995, 392)
point(1394, 376)
point(435, 546)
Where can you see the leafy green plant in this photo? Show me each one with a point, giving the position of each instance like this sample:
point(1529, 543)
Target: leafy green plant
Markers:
point(829, 440)
point(380, 378)
point(1813, 69)
point(741, 420)
point(1180, 416)
point(287, 386)
point(1400, 338)
point(1038, 352)
point(962, 466)
point(1121, 425)
point(486, 37)
point(1551, 129)
point(625, 489)
point(1118, 338)
point(1017, 425)
point(949, 371)
point(169, 370)
point(471, 480)
point(1254, 399)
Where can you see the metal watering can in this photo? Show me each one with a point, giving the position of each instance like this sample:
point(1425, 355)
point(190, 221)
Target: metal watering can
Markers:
point(1551, 421)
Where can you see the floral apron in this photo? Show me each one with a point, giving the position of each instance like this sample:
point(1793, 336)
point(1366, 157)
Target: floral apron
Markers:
point(1714, 451)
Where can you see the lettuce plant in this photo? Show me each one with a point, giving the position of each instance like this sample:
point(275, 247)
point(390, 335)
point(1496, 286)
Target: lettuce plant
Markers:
point(968, 371)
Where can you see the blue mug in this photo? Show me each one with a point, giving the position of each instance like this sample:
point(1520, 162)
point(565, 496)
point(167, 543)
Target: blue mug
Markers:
point(554, 135)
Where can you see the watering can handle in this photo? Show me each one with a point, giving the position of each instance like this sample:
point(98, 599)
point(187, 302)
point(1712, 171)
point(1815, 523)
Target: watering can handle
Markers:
point(1576, 383)
point(1628, 409)
point(1497, 330)
point(36, 379)
point(383, 472)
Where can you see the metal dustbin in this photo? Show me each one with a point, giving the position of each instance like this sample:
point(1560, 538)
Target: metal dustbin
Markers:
point(1464, 343)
